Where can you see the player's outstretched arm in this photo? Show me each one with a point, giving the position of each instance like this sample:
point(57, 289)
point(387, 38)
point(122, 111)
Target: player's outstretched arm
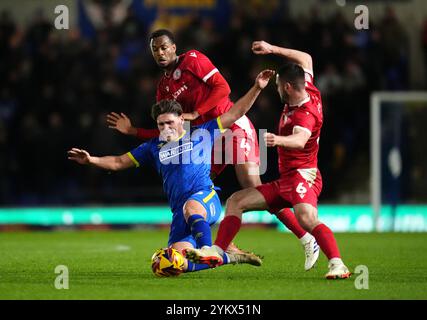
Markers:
point(297, 140)
point(300, 57)
point(122, 123)
point(245, 103)
point(113, 163)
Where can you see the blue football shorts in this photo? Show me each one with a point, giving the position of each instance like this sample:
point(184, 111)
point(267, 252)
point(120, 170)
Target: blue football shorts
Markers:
point(180, 230)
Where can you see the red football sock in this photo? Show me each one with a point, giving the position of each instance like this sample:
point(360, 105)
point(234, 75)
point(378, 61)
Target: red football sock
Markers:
point(227, 230)
point(287, 217)
point(326, 241)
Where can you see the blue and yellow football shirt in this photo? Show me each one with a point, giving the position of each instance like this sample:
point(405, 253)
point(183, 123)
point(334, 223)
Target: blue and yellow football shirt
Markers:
point(184, 164)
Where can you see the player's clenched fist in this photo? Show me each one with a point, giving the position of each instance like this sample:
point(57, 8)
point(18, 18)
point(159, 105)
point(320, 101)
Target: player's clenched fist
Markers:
point(79, 155)
point(263, 78)
point(262, 47)
point(270, 139)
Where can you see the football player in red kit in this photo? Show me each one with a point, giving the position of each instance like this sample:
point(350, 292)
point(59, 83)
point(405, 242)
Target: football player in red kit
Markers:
point(193, 81)
point(300, 182)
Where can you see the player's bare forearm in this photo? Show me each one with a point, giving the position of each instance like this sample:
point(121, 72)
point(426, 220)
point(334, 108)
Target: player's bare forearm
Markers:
point(300, 57)
point(241, 107)
point(294, 141)
point(83, 157)
point(113, 163)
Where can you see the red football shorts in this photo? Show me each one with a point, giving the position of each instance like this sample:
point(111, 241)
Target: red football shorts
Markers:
point(290, 190)
point(235, 146)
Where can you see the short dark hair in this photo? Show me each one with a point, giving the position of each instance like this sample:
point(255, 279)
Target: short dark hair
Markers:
point(166, 106)
point(293, 73)
point(162, 32)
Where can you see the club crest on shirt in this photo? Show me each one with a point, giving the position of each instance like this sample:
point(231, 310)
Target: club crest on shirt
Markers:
point(286, 119)
point(176, 74)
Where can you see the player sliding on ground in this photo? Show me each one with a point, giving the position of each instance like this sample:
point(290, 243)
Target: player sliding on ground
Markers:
point(193, 81)
point(183, 160)
point(300, 182)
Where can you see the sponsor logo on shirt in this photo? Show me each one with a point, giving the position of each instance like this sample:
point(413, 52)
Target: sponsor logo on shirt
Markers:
point(176, 94)
point(177, 74)
point(173, 152)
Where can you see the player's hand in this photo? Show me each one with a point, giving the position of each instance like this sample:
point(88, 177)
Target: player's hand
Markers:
point(79, 155)
point(263, 78)
point(261, 47)
point(121, 123)
point(271, 140)
point(190, 116)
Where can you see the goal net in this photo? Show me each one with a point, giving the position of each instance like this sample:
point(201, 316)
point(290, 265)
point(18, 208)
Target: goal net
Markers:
point(399, 160)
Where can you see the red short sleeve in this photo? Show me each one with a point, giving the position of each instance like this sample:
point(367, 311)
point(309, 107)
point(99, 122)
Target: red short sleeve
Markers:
point(304, 120)
point(200, 65)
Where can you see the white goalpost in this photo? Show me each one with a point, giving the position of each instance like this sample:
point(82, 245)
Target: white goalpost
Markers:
point(377, 101)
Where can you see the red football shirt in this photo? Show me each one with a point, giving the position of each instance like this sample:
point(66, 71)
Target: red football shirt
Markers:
point(308, 116)
point(188, 84)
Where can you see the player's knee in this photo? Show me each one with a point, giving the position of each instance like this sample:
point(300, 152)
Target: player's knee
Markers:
point(306, 218)
point(236, 202)
point(193, 207)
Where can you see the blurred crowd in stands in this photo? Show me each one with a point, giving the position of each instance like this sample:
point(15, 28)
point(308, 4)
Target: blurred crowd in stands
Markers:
point(55, 92)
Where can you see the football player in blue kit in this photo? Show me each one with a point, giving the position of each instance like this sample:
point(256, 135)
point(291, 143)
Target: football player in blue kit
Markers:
point(183, 159)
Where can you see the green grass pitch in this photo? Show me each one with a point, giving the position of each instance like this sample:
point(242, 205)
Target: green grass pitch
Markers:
point(116, 265)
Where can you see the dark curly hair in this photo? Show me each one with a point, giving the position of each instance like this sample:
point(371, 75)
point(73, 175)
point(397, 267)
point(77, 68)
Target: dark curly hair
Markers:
point(166, 106)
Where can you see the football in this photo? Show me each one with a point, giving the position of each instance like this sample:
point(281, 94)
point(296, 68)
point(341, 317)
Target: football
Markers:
point(167, 262)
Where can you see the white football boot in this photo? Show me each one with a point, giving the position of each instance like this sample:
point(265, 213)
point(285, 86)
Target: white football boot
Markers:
point(206, 255)
point(311, 250)
point(337, 270)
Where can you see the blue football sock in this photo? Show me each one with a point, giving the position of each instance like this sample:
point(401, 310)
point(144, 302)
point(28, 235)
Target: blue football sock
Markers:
point(193, 267)
point(200, 230)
